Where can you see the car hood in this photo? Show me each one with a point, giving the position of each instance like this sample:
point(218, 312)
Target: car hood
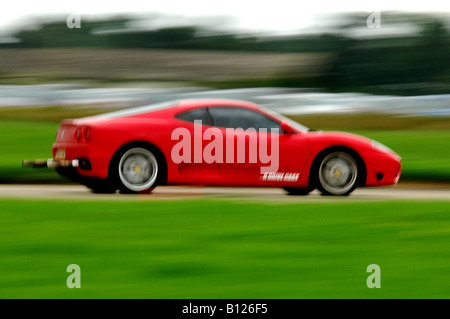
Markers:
point(350, 140)
point(342, 136)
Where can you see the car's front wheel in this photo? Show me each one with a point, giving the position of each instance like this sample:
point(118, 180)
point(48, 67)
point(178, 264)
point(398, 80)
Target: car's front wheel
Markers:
point(295, 191)
point(337, 174)
point(138, 170)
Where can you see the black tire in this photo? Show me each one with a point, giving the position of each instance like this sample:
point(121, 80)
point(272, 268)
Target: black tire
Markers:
point(295, 191)
point(137, 169)
point(100, 186)
point(337, 173)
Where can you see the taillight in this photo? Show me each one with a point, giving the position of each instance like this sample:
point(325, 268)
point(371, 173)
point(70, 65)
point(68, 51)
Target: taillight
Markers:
point(83, 134)
point(78, 134)
point(87, 134)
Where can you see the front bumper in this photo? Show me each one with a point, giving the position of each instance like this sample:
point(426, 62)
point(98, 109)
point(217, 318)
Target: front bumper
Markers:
point(382, 169)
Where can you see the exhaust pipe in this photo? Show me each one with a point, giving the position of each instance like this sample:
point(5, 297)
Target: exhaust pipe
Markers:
point(50, 163)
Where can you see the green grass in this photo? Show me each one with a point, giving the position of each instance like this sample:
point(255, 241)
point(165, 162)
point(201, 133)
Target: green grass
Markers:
point(224, 249)
point(50, 114)
point(21, 140)
point(425, 152)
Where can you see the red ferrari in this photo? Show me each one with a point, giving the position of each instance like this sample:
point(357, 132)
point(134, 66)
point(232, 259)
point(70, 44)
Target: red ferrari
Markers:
point(218, 143)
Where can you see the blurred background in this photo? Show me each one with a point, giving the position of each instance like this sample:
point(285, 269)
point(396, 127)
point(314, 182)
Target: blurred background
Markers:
point(384, 74)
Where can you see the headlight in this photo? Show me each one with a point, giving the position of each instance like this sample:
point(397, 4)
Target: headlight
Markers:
point(383, 148)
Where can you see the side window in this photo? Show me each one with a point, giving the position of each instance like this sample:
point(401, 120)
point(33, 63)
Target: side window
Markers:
point(234, 117)
point(195, 115)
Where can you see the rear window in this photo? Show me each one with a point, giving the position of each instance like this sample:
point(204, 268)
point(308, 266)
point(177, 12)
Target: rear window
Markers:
point(195, 115)
point(138, 110)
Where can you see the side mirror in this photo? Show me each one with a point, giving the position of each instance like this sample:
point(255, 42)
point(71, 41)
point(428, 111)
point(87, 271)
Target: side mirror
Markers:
point(286, 128)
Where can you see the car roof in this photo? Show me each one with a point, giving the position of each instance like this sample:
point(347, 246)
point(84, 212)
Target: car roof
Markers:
point(175, 107)
point(194, 103)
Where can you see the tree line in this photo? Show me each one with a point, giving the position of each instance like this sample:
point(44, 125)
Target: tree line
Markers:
point(412, 63)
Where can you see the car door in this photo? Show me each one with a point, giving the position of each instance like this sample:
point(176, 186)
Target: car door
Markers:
point(256, 152)
point(188, 147)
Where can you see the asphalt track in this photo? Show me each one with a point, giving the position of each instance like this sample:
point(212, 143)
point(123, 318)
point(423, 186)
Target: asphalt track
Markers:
point(407, 191)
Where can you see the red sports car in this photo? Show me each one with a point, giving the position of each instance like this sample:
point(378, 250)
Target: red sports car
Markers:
point(218, 143)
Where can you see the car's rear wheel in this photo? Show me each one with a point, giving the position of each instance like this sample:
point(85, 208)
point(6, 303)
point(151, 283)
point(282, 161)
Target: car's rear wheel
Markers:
point(138, 170)
point(100, 186)
point(337, 174)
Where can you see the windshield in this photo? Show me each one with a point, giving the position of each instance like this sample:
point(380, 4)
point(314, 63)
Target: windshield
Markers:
point(292, 123)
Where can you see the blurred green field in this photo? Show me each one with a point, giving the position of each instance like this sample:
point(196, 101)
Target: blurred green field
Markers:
point(425, 151)
point(224, 249)
point(21, 140)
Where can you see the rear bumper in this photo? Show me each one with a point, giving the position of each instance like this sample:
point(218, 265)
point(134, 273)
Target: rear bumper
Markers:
point(93, 160)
